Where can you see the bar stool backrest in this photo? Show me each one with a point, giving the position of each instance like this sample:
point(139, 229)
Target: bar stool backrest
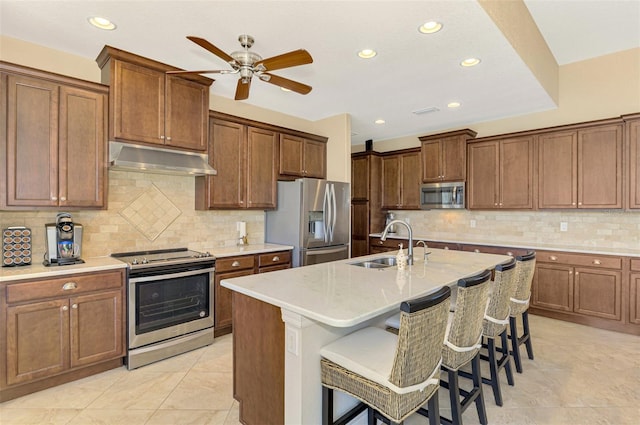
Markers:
point(503, 288)
point(525, 267)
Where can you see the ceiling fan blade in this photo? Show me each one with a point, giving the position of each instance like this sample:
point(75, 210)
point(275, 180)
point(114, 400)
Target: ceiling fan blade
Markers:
point(213, 49)
point(286, 83)
point(285, 60)
point(215, 71)
point(242, 89)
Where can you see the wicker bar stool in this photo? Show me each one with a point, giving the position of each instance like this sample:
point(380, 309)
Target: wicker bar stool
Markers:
point(525, 267)
point(392, 375)
point(494, 326)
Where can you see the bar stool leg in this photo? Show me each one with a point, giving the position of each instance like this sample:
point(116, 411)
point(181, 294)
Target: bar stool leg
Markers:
point(515, 346)
point(493, 367)
point(477, 383)
point(505, 355)
point(454, 396)
point(527, 334)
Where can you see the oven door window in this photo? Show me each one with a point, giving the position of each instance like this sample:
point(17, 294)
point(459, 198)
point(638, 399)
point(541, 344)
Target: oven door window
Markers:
point(171, 301)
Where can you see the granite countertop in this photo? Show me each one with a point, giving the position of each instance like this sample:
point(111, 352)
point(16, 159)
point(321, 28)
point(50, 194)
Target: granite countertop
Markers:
point(340, 294)
point(96, 264)
point(626, 252)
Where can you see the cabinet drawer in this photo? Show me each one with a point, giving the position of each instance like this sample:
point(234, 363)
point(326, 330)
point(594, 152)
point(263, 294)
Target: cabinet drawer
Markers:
point(63, 286)
point(389, 243)
point(635, 265)
point(274, 258)
point(580, 259)
point(234, 263)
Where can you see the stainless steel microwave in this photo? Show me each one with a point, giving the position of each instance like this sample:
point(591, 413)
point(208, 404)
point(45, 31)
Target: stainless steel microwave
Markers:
point(442, 195)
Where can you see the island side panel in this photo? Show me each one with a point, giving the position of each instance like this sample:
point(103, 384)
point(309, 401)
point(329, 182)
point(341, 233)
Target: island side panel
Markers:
point(258, 361)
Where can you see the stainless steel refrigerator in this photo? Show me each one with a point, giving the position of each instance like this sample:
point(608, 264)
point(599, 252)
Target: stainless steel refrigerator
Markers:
point(312, 216)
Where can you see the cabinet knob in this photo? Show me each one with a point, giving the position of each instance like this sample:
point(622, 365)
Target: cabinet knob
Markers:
point(74, 306)
point(577, 273)
point(510, 254)
point(476, 250)
point(380, 243)
point(65, 307)
point(63, 198)
point(500, 203)
point(69, 286)
point(573, 203)
point(235, 264)
point(169, 138)
point(597, 262)
point(275, 258)
point(553, 258)
point(54, 198)
point(161, 137)
point(570, 272)
point(579, 203)
point(446, 247)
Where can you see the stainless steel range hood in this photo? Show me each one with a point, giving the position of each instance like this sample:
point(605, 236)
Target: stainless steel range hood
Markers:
point(125, 156)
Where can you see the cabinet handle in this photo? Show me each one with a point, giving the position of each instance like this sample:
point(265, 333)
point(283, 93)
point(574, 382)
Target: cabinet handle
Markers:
point(597, 262)
point(380, 243)
point(54, 198)
point(495, 204)
point(162, 137)
point(446, 247)
point(500, 203)
point(276, 258)
point(169, 138)
point(510, 254)
point(65, 307)
point(63, 198)
point(69, 286)
point(573, 203)
point(570, 272)
point(553, 258)
point(235, 264)
point(577, 273)
point(74, 305)
point(579, 203)
point(476, 250)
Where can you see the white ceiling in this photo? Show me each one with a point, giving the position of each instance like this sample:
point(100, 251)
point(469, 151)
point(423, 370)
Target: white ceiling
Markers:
point(412, 71)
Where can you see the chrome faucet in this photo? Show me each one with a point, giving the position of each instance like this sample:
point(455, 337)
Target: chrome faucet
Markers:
point(404, 223)
point(424, 253)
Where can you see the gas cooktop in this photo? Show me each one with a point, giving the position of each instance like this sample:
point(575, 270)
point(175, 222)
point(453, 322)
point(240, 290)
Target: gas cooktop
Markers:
point(162, 257)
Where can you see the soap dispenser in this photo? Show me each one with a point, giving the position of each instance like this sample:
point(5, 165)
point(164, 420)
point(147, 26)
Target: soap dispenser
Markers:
point(401, 259)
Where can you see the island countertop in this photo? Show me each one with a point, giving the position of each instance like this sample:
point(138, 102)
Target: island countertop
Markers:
point(340, 294)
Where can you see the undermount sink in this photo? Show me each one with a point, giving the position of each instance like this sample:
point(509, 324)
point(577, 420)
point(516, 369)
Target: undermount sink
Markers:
point(377, 263)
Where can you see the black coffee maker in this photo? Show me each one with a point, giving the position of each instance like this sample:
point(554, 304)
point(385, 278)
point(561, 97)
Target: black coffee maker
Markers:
point(64, 241)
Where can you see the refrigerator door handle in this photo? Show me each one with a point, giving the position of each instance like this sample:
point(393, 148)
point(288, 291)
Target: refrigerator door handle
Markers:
point(326, 213)
point(326, 251)
point(334, 210)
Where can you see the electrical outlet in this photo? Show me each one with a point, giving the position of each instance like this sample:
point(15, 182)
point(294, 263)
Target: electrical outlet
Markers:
point(564, 226)
point(472, 223)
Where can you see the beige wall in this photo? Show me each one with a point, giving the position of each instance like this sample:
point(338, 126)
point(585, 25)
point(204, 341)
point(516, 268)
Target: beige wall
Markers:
point(109, 231)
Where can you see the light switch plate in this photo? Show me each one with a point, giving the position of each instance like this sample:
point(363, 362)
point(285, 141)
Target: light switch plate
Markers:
point(472, 223)
point(564, 226)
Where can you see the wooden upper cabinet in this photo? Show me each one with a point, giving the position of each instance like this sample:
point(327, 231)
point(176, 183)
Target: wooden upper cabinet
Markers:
point(55, 148)
point(302, 157)
point(245, 160)
point(150, 107)
point(501, 174)
point(581, 168)
point(444, 156)
point(360, 178)
point(633, 152)
point(401, 181)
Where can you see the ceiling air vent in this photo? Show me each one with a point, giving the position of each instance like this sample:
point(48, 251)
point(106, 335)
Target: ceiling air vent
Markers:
point(425, 110)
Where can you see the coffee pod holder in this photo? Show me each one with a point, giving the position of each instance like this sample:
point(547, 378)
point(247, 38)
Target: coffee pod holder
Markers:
point(16, 246)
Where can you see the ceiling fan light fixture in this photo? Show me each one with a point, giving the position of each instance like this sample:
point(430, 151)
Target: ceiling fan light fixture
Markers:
point(367, 53)
point(101, 23)
point(469, 62)
point(453, 105)
point(430, 27)
point(379, 121)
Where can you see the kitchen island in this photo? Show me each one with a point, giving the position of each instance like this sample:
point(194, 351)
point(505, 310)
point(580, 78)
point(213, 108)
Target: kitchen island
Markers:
point(283, 318)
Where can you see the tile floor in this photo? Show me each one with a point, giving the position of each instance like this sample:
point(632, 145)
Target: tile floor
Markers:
point(580, 375)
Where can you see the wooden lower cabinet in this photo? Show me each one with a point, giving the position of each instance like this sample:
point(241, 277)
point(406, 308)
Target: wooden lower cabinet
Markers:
point(553, 287)
point(52, 337)
point(634, 292)
point(238, 266)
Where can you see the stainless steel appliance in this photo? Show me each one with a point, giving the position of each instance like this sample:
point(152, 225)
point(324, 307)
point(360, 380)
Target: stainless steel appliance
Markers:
point(169, 303)
point(64, 241)
point(442, 195)
point(313, 217)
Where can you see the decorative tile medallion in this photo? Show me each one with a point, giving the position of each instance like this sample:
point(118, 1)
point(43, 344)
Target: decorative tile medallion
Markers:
point(151, 213)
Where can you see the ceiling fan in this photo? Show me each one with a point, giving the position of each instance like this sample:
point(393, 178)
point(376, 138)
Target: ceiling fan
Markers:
point(248, 64)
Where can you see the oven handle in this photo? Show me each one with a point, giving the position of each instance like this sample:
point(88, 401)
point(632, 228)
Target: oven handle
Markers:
point(170, 275)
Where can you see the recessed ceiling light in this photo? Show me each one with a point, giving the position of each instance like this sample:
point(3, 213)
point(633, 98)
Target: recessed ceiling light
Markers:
point(102, 23)
point(470, 62)
point(453, 105)
point(367, 53)
point(379, 121)
point(430, 27)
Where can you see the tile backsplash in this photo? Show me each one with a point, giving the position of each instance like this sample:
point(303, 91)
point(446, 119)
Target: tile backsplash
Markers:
point(146, 211)
point(585, 229)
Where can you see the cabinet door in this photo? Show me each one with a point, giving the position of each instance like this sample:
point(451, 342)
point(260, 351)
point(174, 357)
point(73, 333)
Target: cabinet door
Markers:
point(410, 181)
point(454, 162)
point(634, 163)
point(262, 148)
point(96, 328)
point(83, 142)
point(32, 142)
point(291, 155)
point(187, 109)
point(391, 182)
point(37, 340)
point(552, 287)
point(315, 159)
point(516, 173)
point(137, 104)
point(557, 170)
point(431, 161)
point(227, 150)
point(634, 298)
point(600, 167)
point(222, 297)
point(598, 293)
point(360, 178)
point(484, 180)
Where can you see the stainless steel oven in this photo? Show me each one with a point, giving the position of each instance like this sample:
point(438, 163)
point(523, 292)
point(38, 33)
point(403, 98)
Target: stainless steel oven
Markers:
point(169, 303)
